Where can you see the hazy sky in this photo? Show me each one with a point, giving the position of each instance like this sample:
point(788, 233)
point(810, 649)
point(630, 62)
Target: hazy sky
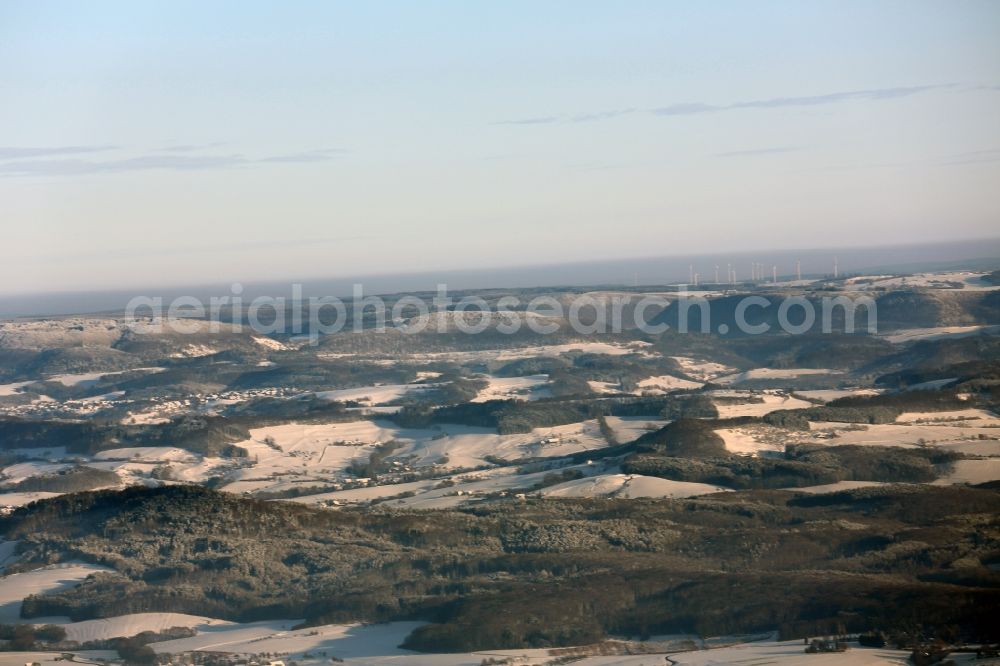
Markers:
point(146, 143)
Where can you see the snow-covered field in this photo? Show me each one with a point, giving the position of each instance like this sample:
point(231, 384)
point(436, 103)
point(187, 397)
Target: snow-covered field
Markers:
point(313, 454)
point(751, 441)
point(772, 373)
point(836, 487)
point(466, 446)
point(86, 379)
point(666, 383)
point(374, 395)
point(769, 402)
point(700, 369)
point(939, 332)
point(950, 418)
point(20, 499)
point(531, 387)
point(130, 625)
point(508, 354)
point(378, 645)
point(604, 387)
point(433, 494)
point(973, 432)
point(948, 435)
point(965, 280)
point(627, 428)
point(972, 472)
point(54, 658)
point(15, 587)
point(828, 395)
point(787, 653)
point(7, 390)
point(271, 343)
point(629, 486)
point(20, 471)
point(150, 454)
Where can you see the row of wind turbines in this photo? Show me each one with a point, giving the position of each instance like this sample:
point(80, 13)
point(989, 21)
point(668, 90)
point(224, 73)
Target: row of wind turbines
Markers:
point(758, 273)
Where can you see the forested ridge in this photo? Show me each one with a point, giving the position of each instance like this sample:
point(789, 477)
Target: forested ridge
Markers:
point(552, 572)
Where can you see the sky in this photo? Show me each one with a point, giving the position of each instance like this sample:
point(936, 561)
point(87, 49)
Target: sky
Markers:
point(174, 143)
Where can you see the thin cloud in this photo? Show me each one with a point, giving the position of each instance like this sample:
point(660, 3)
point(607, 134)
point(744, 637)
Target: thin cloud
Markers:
point(156, 161)
point(686, 109)
point(603, 115)
point(77, 167)
point(835, 98)
point(577, 118)
point(16, 153)
point(190, 147)
point(698, 108)
point(975, 157)
point(321, 155)
point(543, 120)
point(759, 151)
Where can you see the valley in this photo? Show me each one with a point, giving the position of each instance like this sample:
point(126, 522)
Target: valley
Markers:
point(373, 496)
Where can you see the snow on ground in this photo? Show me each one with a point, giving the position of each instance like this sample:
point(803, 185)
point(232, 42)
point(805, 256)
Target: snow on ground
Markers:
point(506, 355)
point(82, 380)
point(149, 454)
point(19, 472)
point(202, 470)
point(43, 334)
point(966, 280)
point(700, 369)
point(224, 637)
point(87, 379)
point(628, 428)
point(466, 446)
point(607, 348)
point(270, 343)
point(518, 388)
point(975, 437)
point(828, 395)
point(20, 499)
point(665, 383)
point(433, 494)
point(749, 442)
point(628, 486)
point(130, 625)
point(7, 554)
point(604, 387)
point(344, 641)
point(322, 448)
point(12, 389)
point(105, 397)
point(938, 332)
point(836, 487)
point(947, 435)
point(15, 587)
point(770, 401)
point(787, 653)
point(772, 373)
point(972, 472)
point(302, 453)
point(194, 351)
point(54, 658)
point(378, 394)
point(930, 385)
point(953, 417)
point(378, 645)
point(368, 493)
